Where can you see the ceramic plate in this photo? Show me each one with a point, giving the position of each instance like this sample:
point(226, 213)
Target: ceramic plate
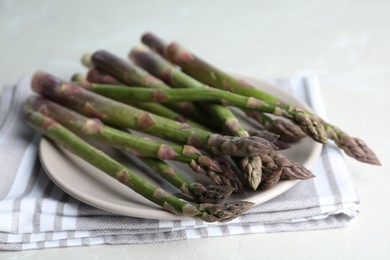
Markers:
point(90, 185)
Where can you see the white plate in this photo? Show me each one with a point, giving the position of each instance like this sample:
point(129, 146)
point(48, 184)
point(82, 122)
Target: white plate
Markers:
point(92, 186)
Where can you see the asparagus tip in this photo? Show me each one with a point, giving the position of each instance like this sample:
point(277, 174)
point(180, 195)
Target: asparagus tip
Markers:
point(252, 169)
point(229, 174)
point(357, 148)
point(225, 211)
point(281, 145)
point(239, 146)
point(272, 137)
point(296, 172)
point(311, 125)
point(288, 132)
point(270, 178)
point(211, 193)
point(352, 146)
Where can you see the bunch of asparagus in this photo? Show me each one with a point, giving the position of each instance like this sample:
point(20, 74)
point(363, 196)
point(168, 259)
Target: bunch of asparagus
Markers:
point(175, 102)
point(205, 72)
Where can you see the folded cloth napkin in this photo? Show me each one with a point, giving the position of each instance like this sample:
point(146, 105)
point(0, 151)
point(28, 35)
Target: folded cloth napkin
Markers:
point(35, 213)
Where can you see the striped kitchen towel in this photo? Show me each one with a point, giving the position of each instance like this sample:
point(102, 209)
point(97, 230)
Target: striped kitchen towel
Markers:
point(35, 213)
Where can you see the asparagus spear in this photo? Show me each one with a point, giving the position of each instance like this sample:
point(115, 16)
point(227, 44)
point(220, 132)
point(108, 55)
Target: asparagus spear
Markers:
point(201, 70)
point(276, 166)
point(203, 94)
point(135, 145)
point(142, 148)
point(291, 170)
point(270, 136)
point(157, 66)
point(173, 76)
point(62, 136)
point(124, 93)
point(285, 166)
point(271, 177)
point(200, 192)
point(132, 75)
point(250, 166)
point(98, 85)
point(205, 72)
point(94, 76)
point(122, 115)
point(287, 132)
point(162, 69)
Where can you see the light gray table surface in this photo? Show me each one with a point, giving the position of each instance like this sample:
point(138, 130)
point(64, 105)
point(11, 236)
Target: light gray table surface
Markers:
point(346, 43)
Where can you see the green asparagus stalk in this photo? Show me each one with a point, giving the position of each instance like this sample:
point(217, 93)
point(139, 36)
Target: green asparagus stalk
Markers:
point(250, 166)
point(201, 70)
point(162, 69)
point(198, 191)
point(184, 108)
point(122, 115)
point(287, 132)
point(276, 166)
point(239, 131)
point(149, 95)
point(131, 75)
point(94, 76)
point(155, 43)
point(202, 94)
point(291, 170)
point(270, 178)
point(270, 136)
point(100, 83)
point(288, 167)
point(205, 72)
point(124, 93)
point(134, 145)
point(230, 172)
point(206, 212)
point(156, 65)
